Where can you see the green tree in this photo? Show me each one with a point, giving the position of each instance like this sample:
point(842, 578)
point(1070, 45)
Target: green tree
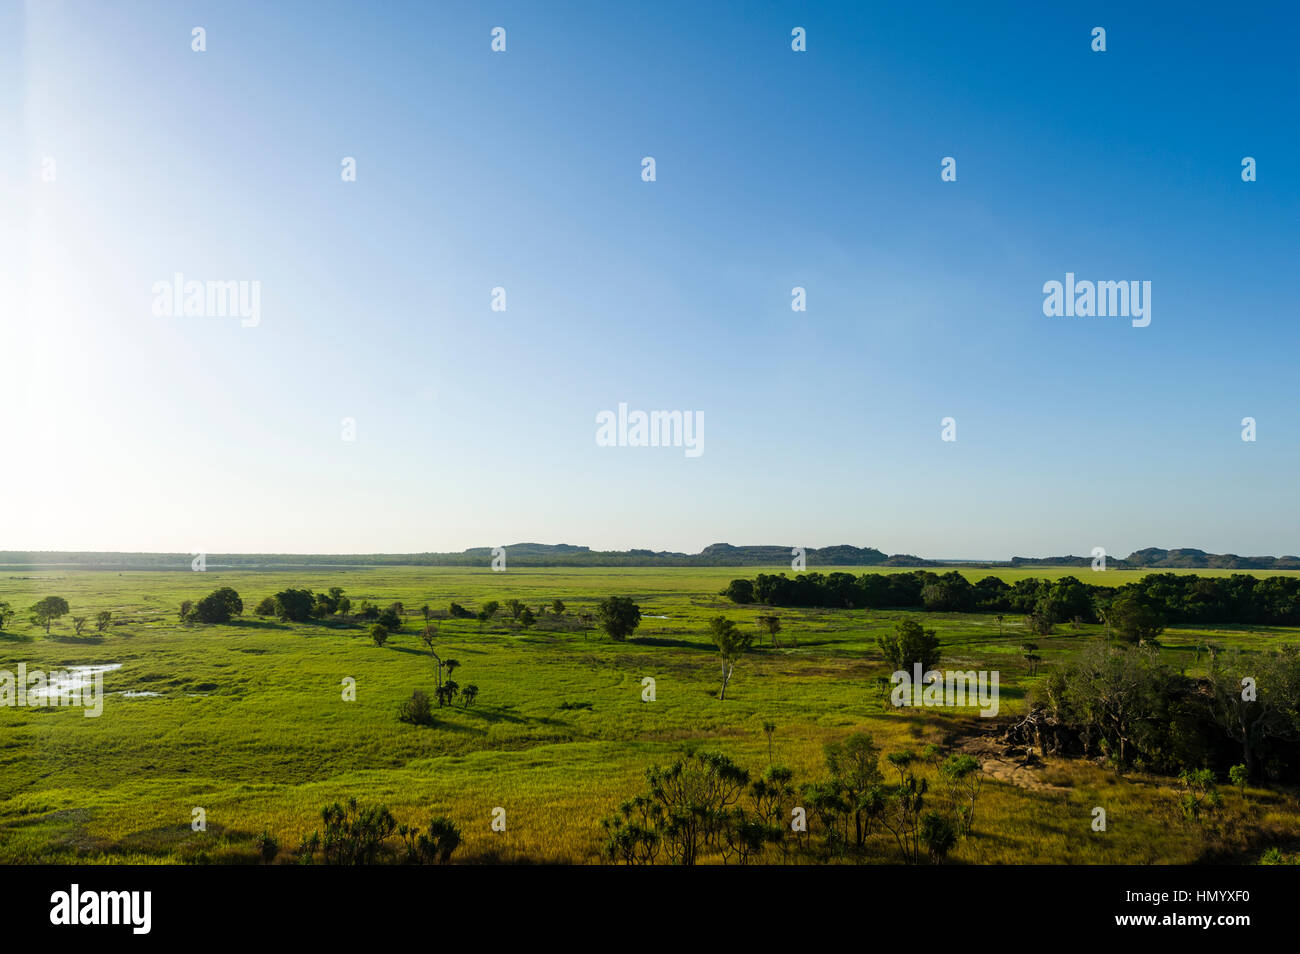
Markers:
point(772, 625)
point(557, 607)
point(6, 613)
point(854, 766)
point(379, 633)
point(218, 606)
point(1240, 777)
point(732, 643)
point(294, 605)
point(618, 616)
point(1134, 620)
point(938, 835)
point(965, 781)
point(740, 591)
point(1256, 699)
point(48, 610)
point(910, 644)
point(103, 620)
point(526, 618)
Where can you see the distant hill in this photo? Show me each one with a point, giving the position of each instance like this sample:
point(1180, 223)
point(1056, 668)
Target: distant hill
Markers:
point(1188, 558)
point(564, 554)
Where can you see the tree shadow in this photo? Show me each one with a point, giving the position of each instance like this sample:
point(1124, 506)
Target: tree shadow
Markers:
point(669, 643)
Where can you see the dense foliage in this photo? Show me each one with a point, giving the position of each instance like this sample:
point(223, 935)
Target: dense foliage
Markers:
point(1163, 598)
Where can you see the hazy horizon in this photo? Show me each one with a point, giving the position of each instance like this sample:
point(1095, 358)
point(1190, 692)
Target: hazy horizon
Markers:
point(888, 552)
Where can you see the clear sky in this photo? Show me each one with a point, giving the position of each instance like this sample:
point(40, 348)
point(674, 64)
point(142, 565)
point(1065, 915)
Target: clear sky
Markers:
point(124, 430)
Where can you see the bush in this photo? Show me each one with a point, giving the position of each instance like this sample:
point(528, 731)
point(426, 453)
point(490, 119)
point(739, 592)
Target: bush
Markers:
point(390, 620)
point(938, 835)
point(435, 847)
point(266, 607)
point(416, 710)
point(379, 633)
point(267, 847)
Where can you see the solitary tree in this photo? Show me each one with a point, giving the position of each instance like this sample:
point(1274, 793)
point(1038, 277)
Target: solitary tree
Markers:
point(103, 620)
point(910, 644)
point(379, 633)
point(48, 610)
point(427, 637)
point(6, 613)
point(557, 607)
point(514, 608)
point(731, 643)
point(526, 618)
point(618, 616)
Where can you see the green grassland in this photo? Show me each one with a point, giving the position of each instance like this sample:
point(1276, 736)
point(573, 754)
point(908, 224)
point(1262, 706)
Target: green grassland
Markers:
point(249, 722)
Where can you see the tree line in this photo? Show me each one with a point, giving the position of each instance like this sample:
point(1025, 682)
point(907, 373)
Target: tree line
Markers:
point(1163, 598)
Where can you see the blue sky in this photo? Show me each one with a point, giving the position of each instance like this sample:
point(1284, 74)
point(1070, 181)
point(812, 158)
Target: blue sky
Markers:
point(522, 170)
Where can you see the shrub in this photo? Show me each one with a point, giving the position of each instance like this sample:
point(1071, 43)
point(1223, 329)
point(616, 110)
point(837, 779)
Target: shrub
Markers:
point(938, 835)
point(435, 847)
point(267, 847)
point(416, 710)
